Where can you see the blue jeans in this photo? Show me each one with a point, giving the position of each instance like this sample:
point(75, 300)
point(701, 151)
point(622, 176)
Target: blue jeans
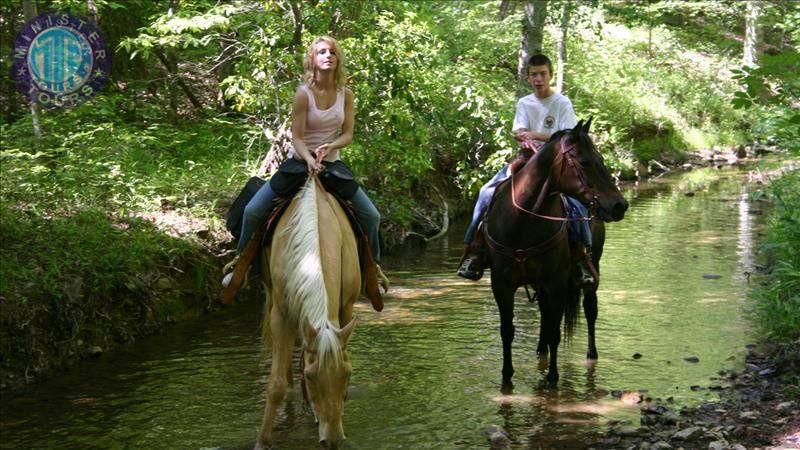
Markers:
point(484, 198)
point(578, 229)
point(260, 206)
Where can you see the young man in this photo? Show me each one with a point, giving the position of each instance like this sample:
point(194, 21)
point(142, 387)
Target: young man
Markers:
point(539, 116)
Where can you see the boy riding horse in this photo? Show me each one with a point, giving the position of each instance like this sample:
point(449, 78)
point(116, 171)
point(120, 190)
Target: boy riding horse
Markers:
point(538, 116)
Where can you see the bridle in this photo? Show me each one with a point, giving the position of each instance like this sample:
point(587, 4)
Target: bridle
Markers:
point(568, 154)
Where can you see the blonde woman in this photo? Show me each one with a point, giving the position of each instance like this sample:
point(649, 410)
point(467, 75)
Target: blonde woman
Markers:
point(322, 124)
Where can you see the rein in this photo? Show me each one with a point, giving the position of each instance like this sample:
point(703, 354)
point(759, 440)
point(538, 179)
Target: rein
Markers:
point(567, 154)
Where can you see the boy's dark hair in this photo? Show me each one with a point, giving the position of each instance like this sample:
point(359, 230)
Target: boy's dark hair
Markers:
point(540, 60)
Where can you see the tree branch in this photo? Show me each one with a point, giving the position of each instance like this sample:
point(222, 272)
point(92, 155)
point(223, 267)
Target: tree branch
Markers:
point(161, 57)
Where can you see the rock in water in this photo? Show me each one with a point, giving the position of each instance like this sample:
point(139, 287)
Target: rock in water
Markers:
point(688, 434)
point(498, 437)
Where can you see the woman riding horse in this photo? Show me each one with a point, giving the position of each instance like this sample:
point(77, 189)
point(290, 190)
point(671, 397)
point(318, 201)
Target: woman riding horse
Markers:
point(322, 124)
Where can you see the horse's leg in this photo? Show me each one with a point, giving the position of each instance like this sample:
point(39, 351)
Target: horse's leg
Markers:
point(590, 294)
point(555, 313)
point(504, 296)
point(590, 311)
point(541, 348)
point(282, 344)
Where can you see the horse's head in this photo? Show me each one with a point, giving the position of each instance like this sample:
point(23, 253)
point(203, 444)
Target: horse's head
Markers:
point(326, 375)
point(582, 173)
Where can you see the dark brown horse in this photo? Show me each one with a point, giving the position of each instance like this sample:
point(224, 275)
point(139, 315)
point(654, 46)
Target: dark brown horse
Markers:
point(527, 236)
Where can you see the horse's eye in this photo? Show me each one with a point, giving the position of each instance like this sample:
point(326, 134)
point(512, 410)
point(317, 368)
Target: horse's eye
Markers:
point(585, 163)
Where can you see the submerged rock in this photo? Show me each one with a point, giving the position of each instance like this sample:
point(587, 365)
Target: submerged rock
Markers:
point(692, 359)
point(498, 437)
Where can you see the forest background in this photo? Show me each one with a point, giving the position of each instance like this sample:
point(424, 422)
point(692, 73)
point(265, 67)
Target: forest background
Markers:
point(112, 213)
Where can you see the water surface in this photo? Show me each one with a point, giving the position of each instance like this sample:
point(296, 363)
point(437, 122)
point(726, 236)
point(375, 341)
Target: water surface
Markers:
point(427, 368)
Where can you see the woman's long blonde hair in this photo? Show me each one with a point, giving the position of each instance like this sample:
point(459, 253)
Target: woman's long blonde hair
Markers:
point(339, 75)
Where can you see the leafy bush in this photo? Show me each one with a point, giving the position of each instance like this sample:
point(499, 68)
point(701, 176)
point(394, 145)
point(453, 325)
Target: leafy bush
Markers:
point(778, 299)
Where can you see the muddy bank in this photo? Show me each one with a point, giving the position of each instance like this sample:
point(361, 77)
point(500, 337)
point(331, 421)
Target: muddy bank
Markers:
point(758, 408)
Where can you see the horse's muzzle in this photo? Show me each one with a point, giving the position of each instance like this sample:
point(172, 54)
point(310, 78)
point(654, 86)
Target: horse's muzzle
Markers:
point(618, 209)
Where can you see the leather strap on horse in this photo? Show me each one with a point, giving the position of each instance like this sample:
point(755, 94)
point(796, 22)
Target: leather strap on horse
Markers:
point(522, 255)
point(566, 155)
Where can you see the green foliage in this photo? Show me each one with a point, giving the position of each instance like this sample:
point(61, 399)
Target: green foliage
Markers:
point(653, 95)
point(778, 298)
point(772, 91)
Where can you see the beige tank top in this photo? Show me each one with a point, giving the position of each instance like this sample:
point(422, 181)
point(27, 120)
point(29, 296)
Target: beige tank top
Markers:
point(322, 125)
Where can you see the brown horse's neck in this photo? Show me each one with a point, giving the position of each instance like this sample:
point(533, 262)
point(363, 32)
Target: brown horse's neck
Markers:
point(535, 183)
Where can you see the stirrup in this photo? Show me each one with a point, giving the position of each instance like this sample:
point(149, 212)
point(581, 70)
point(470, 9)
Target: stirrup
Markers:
point(585, 277)
point(382, 279)
point(227, 270)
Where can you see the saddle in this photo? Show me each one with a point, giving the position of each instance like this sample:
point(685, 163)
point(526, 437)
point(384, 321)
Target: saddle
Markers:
point(339, 181)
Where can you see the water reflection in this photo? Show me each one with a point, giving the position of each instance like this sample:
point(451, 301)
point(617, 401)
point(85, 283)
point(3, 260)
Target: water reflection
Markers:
point(427, 369)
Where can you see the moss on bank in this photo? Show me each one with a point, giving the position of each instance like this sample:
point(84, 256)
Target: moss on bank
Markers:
point(73, 287)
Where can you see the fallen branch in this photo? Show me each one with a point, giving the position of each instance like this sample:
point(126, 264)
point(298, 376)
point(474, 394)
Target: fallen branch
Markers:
point(445, 217)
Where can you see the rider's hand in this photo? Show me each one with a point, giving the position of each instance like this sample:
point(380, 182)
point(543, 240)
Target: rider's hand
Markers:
point(313, 165)
point(322, 152)
point(531, 145)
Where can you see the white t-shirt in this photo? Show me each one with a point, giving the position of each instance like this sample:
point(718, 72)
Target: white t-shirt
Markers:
point(548, 115)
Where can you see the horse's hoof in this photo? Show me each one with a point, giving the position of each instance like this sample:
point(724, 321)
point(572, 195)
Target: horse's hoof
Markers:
point(541, 353)
point(260, 446)
point(591, 356)
point(507, 388)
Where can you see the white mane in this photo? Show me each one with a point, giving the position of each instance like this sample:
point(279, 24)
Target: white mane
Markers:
point(304, 283)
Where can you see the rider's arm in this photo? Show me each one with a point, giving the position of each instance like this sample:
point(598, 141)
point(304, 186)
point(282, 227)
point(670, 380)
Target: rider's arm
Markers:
point(524, 134)
point(299, 114)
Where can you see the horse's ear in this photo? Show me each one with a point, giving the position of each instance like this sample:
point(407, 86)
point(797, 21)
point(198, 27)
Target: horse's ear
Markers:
point(578, 127)
point(587, 125)
point(310, 333)
point(344, 333)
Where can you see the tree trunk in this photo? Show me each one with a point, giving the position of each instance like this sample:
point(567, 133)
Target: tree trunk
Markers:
point(752, 37)
point(562, 46)
point(174, 78)
point(530, 41)
point(171, 65)
point(297, 19)
point(94, 13)
point(29, 9)
point(506, 8)
point(223, 70)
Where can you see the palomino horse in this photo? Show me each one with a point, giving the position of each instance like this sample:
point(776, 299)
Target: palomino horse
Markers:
point(526, 232)
point(315, 282)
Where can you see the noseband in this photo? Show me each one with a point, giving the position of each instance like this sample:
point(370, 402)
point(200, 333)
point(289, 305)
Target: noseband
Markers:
point(567, 154)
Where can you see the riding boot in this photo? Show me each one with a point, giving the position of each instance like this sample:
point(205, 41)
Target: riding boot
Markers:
point(471, 266)
point(586, 271)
